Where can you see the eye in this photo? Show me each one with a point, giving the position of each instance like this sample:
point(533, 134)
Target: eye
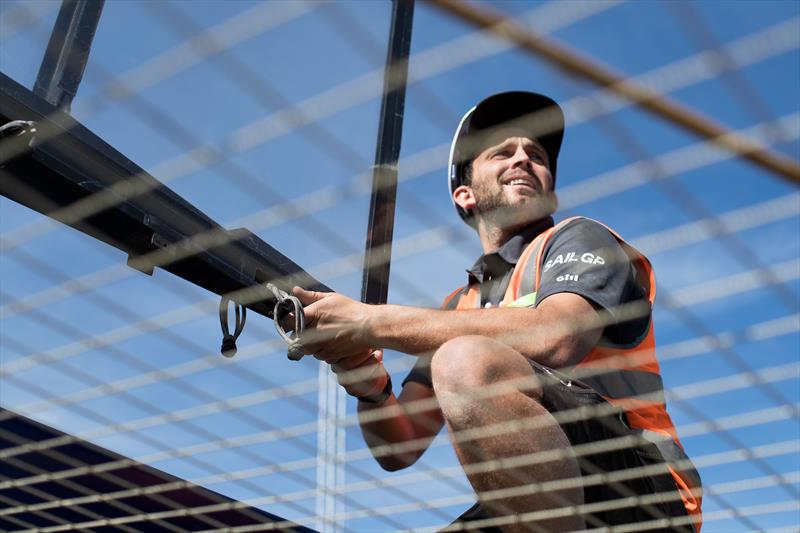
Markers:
point(536, 156)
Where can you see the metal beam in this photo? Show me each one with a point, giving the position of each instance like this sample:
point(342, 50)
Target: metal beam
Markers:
point(586, 67)
point(378, 253)
point(67, 52)
point(68, 172)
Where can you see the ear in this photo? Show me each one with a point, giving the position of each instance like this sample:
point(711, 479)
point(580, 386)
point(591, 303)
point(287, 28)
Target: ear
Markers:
point(464, 197)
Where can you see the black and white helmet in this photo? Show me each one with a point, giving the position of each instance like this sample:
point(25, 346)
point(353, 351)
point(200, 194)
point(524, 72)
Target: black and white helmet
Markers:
point(537, 115)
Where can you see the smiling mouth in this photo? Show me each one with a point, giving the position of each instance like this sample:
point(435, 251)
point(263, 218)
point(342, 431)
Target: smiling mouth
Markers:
point(521, 182)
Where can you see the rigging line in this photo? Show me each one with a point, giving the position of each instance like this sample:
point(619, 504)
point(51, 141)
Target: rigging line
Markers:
point(682, 349)
point(691, 23)
point(189, 389)
point(608, 183)
point(781, 330)
point(709, 460)
point(207, 436)
point(550, 17)
point(727, 384)
point(19, 18)
point(764, 43)
point(435, 109)
point(248, 24)
point(674, 162)
point(724, 286)
point(60, 458)
point(716, 459)
point(143, 405)
point(683, 198)
point(163, 253)
point(588, 68)
point(691, 233)
point(734, 221)
point(764, 451)
point(185, 139)
point(687, 201)
point(406, 247)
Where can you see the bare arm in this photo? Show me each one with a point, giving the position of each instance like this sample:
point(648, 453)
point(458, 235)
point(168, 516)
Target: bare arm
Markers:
point(557, 333)
point(410, 421)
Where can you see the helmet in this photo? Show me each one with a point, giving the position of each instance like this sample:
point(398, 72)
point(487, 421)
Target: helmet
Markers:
point(537, 115)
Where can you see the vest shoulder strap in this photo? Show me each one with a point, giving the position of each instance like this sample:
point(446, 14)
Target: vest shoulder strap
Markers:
point(525, 281)
point(531, 273)
point(451, 302)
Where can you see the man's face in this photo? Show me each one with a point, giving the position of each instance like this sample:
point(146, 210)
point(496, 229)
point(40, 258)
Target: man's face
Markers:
point(511, 181)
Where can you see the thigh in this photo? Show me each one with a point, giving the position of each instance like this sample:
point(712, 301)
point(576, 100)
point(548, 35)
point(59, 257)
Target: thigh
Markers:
point(616, 464)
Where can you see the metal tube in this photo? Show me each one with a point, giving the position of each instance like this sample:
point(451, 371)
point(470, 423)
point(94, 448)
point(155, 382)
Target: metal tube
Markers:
point(67, 52)
point(377, 256)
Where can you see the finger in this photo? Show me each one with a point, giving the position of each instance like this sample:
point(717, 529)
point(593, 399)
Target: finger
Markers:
point(309, 297)
point(354, 361)
point(287, 323)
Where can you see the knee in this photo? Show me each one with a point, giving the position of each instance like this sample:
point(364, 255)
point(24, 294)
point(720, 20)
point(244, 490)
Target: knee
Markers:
point(472, 363)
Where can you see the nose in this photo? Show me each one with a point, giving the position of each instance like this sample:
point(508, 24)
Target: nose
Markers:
point(521, 158)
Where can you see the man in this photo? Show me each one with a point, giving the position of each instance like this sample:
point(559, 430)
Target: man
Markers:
point(542, 366)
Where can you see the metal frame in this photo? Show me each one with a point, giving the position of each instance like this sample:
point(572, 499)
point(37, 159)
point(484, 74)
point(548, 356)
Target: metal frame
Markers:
point(67, 52)
point(204, 506)
point(380, 225)
point(71, 163)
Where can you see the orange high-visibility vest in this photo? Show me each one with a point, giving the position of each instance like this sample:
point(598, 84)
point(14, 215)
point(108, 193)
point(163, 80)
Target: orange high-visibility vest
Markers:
point(626, 376)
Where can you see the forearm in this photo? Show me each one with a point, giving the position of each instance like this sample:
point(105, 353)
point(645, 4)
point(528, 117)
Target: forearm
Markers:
point(399, 430)
point(548, 338)
point(384, 426)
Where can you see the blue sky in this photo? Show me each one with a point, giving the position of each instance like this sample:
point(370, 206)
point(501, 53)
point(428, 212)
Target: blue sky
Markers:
point(327, 59)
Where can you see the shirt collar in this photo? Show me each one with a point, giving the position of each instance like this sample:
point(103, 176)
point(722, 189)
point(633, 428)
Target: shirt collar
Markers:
point(498, 262)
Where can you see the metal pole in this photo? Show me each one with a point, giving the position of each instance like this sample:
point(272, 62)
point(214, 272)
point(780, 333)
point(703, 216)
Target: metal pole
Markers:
point(67, 52)
point(378, 253)
point(375, 285)
point(588, 68)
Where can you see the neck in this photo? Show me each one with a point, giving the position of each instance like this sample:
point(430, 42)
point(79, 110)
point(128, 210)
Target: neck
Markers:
point(493, 237)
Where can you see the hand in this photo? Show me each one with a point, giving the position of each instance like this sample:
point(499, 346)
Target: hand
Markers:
point(334, 327)
point(362, 375)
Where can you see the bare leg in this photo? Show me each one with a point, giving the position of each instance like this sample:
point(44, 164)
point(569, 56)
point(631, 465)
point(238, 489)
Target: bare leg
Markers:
point(464, 367)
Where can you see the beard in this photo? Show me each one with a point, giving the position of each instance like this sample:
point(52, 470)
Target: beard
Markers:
point(493, 207)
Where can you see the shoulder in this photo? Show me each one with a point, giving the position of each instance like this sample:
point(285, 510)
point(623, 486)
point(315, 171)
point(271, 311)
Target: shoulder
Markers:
point(581, 234)
point(583, 227)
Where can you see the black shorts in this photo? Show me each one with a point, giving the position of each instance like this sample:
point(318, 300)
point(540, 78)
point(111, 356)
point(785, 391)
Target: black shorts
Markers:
point(560, 394)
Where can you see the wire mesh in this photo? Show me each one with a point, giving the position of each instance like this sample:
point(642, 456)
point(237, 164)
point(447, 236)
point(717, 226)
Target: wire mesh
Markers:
point(132, 363)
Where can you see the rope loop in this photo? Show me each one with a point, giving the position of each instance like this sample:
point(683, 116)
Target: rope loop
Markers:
point(228, 348)
point(285, 305)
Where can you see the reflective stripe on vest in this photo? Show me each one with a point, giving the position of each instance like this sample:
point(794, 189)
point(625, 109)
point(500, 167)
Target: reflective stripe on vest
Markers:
point(674, 454)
